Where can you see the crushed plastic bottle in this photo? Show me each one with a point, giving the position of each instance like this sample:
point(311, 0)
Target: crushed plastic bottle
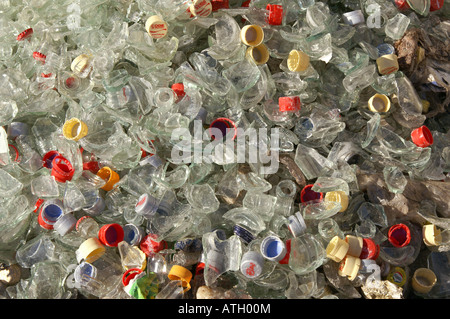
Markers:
point(206, 149)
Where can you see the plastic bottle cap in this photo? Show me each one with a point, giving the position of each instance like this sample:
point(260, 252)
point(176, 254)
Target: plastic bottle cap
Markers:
point(225, 125)
point(385, 49)
point(338, 196)
point(285, 260)
point(62, 169)
point(25, 34)
point(80, 64)
point(337, 249)
point(272, 248)
point(431, 235)
point(156, 27)
point(65, 224)
point(397, 276)
point(423, 280)
point(387, 64)
point(91, 166)
point(90, 250)
point(307, 194)
point(297, 61)
point(402, 4)
point(425, 106)
point(353, 17)
point(49, 213)
point(74, 129)
point(201, 8)
point(355, 245)
point(111, 234)
point(258, 54)
point(38, 204)
point(178, 89)
point(39, 57)
point(369, 250)
point(289, 103)
point(349, 267)
point(252, 35)
point(47, 160)
point(219, 4)
point(379, 103)
point(180, 273)
point(129, 275)
point(436, 5)
point(275, 14)
point(132, 234)
point(109, 176)
point(146, 205)
point(252, 264)
point(150, 246)
point(80, 220)
point(422, 136)
point(399, 235)
point(243, 233)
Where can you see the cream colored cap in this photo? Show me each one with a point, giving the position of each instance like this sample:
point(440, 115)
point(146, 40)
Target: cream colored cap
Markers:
point(80, 64)
point(156, 27)
point(379, 103)
point(90, 250)
point(387, 64)
point(337, 249)
point(252, 35)
point(355, 245)
point(297, 61)
point(349, 267)
point(338, 196)
point(259, 54)
point(423, 280)
point(201, 8)
point(431, 235)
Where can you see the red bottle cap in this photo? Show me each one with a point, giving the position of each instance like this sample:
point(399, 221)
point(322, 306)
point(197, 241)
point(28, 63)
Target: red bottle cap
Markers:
point(178, 89)
point(399, 235)
point(62, 170)
point(422, 136)
point(289, 103)
point(369, 250)
point(130, 274)
point(285, 260)
point(38, 204)
point(48, 158)
point(219, 4)
point(39, 57)
point(91, 166)
point(436, 5)
point(223, 124)
point(275, 14)
point(46, 75)
point(149, 246)
point(16, 158)
point(402, 4)
point(79, 220)
point(25, 34)
point(200, 268)
point(42, 223)
point(307, 194)
point(111, 234)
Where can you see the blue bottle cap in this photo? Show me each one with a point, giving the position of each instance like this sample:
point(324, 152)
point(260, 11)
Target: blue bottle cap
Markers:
point(385, 49)
point(252, 263)
point(273, 248)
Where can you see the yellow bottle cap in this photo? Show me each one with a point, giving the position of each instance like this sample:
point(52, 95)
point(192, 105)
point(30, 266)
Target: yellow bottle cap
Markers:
point(109, 176)
point(425, 106)
point(74, 129)
point(259, 54)
point(355, 245)
point(337, 249)
point(349, 267)
point(423, 280)
point(90, 250)
point(431, 235)
point(156, 27)
point(397, 276)
point(201, 8)
point(180, 273)
point(252, 35)
point(387, 64)
point(379, 103)
point(420, 54)
point(80, 64)
point(338, 196)
point(297, 61)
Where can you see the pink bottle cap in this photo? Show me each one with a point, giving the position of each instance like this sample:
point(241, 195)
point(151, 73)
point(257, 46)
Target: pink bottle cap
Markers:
point(275, 14)
point(422, 136)
point(399, 235)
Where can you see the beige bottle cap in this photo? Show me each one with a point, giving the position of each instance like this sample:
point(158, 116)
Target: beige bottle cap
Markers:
point(337, 249)
point(80, 64)
point(387, 64)
point(201, 8)
point(297, 61)
point(431, 235)
point(425, 106)
point(180, 273)
point(349, 267)
point(156, 27)
point(423, 280)
point(74, 129)
point(355, 245)
point(259, 54)
point(338, 196)
point(90, 250)
point(379, 103)
point(252, 35)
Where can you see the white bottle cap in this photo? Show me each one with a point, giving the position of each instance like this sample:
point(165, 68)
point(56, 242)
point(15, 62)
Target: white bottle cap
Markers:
point(156, 27)
point(146, 205)
point(252, 264)
point(65, 224)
